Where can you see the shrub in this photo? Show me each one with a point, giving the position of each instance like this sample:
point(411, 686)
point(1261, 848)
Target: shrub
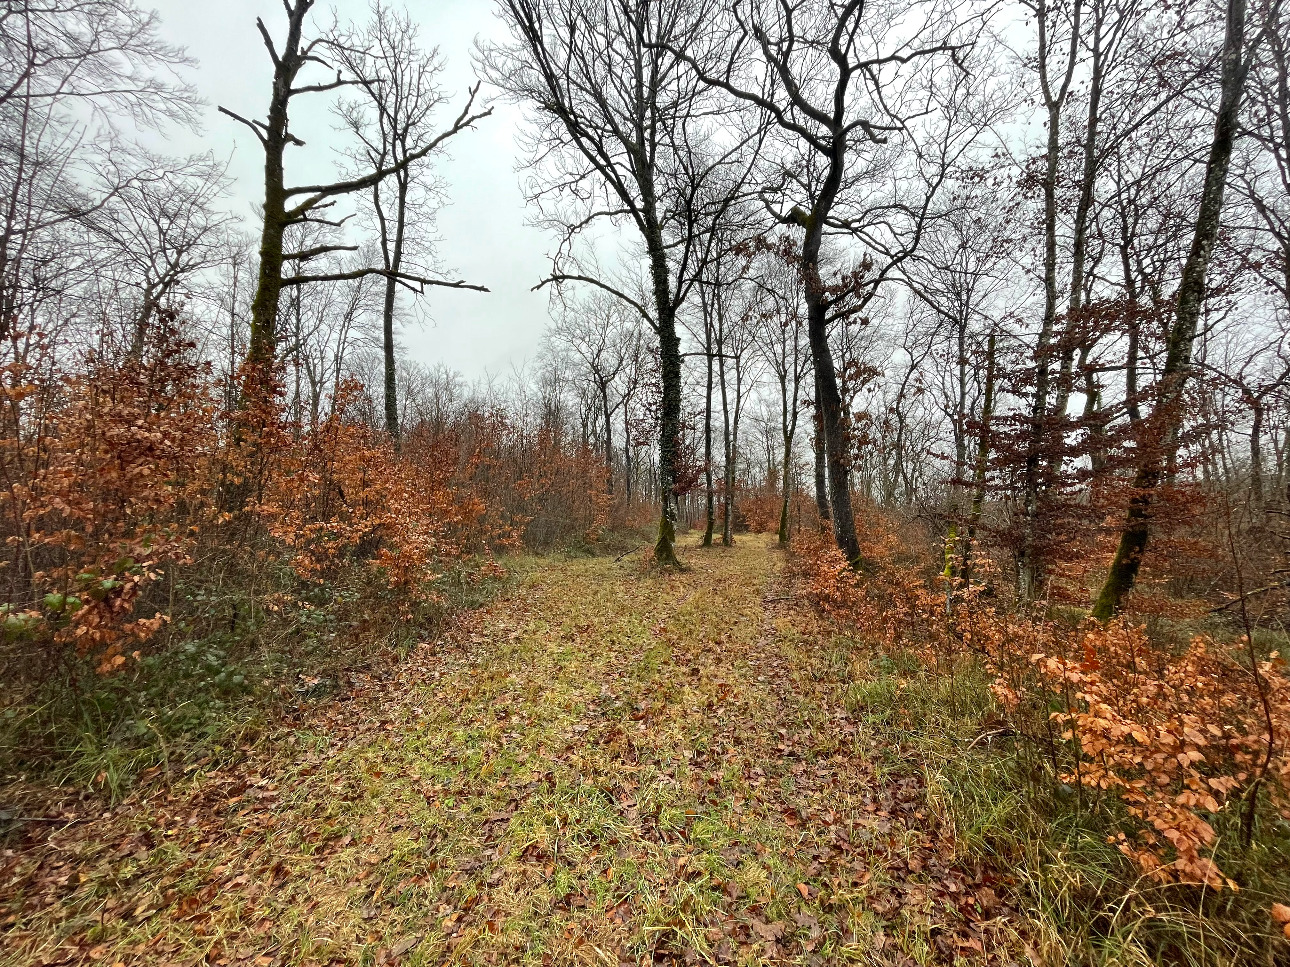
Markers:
point(1167, 738)
point(105, 485)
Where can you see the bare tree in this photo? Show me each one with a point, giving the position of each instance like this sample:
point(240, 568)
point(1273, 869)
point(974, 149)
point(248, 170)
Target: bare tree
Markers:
point(728, 300)
point(162, 234)
point(960, 277)
point(781, 340)
point(1263, 177)
point(72, 74)
point(286, 206)
point(629, 137)
point(322, 325)
point(604, 342)
point(392, 122)
point(829, 76)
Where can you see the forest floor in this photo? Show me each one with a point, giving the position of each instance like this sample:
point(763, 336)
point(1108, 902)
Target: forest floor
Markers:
point(608, 765)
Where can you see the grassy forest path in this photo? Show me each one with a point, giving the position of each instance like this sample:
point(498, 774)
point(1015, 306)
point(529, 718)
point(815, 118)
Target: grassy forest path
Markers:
point(606, 766)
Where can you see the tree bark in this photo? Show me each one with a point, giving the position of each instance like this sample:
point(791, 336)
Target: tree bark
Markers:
point(710, 521)
point(1080, 229)
point(393, 256)
point(788, 414)
point(1258, 416)
point(609, 439)
point(821, 460)
point(275, 138)
point(669, 438)
point(828, 398)
point(727, 452)
point(669, 351)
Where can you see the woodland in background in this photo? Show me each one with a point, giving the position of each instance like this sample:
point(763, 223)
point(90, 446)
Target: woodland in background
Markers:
point(984, 311)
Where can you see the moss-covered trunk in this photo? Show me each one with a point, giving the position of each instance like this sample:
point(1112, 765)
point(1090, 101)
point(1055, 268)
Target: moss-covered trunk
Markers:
point(1165, 423)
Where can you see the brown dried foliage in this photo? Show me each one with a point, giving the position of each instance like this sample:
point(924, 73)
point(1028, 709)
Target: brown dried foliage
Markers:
point(1171, 737)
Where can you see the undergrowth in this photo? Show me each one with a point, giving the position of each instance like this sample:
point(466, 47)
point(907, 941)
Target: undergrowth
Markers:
point(1089, 902)
point(226, 668)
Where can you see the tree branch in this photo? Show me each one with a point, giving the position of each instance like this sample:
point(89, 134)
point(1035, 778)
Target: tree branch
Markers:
point(560, 277)
point(253, 125)
point(401, 277)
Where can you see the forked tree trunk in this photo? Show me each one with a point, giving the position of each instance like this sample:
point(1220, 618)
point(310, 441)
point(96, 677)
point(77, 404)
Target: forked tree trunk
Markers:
point(275, 138)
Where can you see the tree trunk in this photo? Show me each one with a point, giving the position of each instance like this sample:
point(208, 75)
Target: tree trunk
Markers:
point(669, 437)
point(141, 323)
point(1162, 442)
point(1093, 419)
point(952, 552)
point(828, 398)
point(789, 431)
point(1256, 455)
point(727, 463)
point(982, 462)
point(1080, 234)
point(786, 486)
point(710, 523)
point(393, 257)
point(268, 291)
point(1029, 574)
point(609, 439)
point(627, 453)
point(821, 468)
point(275, 136)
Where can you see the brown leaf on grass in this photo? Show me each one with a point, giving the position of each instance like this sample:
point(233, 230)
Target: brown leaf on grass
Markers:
point(1281, 913)
point(769, 932)
point(806, 920)
point(988, 899)
point(404, 946)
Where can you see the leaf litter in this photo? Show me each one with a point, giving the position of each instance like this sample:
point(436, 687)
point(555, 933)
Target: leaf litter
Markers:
point(612, 765)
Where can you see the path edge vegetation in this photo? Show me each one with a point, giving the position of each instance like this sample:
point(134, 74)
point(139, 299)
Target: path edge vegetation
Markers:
point(1037, 756)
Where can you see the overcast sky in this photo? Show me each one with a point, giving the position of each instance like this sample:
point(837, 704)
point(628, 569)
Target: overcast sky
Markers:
point(484, 236)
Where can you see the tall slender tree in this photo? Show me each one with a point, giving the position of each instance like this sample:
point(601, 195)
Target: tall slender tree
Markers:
point(1166, 419)
point(627, 136)
point(392, 122)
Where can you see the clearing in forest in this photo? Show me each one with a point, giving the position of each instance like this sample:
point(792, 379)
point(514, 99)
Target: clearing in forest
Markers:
point(608, 766)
